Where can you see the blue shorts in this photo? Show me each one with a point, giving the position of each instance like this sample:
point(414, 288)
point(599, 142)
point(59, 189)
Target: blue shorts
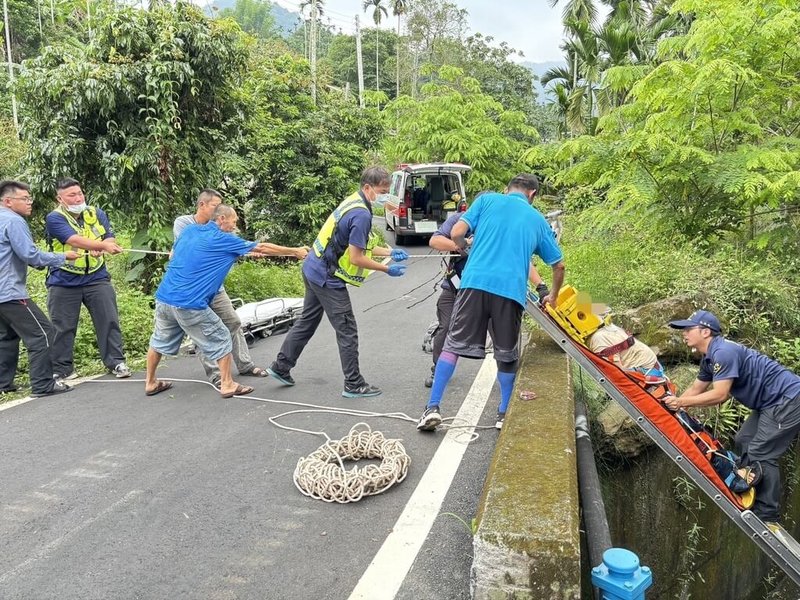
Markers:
point(203, 327)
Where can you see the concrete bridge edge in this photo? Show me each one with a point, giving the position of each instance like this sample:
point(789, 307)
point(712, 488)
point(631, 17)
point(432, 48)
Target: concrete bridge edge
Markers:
point(527, 542)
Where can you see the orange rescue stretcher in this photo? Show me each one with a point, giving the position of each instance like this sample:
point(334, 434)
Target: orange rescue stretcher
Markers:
point(693, 440)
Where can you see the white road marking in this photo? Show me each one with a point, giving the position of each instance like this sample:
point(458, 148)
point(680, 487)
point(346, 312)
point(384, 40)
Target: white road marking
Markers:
point(388, 570)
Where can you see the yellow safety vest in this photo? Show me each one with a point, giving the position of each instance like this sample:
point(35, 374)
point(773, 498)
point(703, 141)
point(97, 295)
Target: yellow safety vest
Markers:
point(91, 229)
point(344, 269)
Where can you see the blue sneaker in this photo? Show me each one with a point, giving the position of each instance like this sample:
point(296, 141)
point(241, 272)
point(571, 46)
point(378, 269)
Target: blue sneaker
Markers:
point(364, 390)
point(284, 378)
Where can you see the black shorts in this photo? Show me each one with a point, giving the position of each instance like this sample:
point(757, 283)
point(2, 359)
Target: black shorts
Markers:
point(471, 315)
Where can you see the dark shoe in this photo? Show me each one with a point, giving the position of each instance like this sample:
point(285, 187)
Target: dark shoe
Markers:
point(429, 379)
point(363, 391)
point(501, 416)
point(284, 378)
point(59, 387)
point(430, 419)
point(8, 390)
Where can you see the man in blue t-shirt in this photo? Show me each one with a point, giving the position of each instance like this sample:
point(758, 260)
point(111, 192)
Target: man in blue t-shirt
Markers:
point(85, 281)
point(771, 391)
point(342, 254)
point(207, 202)
point(442, 241)
point(201, 259)
point(507, 231)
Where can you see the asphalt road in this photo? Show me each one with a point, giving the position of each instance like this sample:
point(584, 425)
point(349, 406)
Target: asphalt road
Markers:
point(109, 494)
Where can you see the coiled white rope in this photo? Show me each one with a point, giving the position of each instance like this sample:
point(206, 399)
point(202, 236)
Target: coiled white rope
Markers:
point(322, 474)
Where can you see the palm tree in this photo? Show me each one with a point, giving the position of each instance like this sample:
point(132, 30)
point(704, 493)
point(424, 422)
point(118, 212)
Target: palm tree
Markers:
point(304, 4)
point(399, 8)
point(378, 12)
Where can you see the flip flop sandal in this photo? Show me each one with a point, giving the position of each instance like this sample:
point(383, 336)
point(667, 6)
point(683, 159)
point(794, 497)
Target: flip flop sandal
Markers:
point(240, 390)
point(161, 386)
point(752, 474)
point(255, 372)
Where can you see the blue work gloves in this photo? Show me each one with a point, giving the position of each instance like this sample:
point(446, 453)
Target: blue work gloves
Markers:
point(396, 270)
point(399, 255)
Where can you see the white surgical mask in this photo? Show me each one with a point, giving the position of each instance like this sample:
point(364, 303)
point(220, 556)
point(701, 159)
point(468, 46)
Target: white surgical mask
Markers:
point(76, 208)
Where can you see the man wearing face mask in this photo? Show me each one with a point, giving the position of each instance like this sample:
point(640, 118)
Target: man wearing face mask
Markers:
point(74, 226)
point(342, 254)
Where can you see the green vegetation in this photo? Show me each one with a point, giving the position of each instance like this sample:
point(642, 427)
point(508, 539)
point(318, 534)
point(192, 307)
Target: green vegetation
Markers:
point(679, 166)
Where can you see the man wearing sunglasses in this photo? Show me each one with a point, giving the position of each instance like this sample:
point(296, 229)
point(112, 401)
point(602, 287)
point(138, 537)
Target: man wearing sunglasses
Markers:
point(20, 317)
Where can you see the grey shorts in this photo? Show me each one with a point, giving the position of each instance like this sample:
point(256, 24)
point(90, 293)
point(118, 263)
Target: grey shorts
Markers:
point(203, 327)
point(473, 312)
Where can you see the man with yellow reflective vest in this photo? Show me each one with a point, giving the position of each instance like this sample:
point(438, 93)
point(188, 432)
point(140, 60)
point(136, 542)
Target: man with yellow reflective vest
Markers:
point(342, 254)
point(86, 229)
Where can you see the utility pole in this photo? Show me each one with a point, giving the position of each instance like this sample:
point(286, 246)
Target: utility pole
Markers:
point(360, 62)
point(10, 66)
point(314, 51)
point(39, 12)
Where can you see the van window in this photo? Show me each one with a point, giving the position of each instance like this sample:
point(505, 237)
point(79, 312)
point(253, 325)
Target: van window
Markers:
point(397, 179)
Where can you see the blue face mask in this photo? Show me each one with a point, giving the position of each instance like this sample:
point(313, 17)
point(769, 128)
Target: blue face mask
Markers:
point(381, 199)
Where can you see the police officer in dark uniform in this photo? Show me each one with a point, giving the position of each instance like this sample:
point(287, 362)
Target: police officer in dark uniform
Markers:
point(770, 390)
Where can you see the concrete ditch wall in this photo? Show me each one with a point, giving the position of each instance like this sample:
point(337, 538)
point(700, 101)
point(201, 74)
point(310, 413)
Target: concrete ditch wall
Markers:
point(527, 545)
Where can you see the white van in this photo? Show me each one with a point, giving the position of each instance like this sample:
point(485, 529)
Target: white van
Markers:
point(422, 196)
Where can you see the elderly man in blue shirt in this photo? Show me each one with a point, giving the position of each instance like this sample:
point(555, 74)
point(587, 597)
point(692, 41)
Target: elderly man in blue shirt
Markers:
point(20, 317)
point(201, 259)
point(770, 390)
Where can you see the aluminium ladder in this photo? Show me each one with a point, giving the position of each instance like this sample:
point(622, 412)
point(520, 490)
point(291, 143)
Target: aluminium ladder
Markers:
point(784, 555)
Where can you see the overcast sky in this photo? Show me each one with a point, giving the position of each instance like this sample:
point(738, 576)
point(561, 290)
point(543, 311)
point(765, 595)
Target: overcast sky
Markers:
point(527, 25)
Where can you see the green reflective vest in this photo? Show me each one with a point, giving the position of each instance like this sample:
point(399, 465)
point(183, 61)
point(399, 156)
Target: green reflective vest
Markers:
point(91, 229)
point(344, 269)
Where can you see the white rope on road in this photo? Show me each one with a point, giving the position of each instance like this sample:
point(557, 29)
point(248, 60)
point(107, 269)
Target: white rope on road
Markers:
point(322, 474)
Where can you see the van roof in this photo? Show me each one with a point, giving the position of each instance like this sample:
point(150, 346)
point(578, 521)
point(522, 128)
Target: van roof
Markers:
point(439, 167)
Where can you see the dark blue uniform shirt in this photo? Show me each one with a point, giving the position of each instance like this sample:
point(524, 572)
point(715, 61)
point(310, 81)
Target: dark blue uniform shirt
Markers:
point(758, 381)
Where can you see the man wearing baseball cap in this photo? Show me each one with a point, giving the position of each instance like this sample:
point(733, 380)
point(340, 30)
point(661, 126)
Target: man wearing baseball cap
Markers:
point(771, 391)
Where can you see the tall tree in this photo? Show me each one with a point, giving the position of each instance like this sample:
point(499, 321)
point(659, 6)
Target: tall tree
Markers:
point(706, 136)
point(378, 12)
point(399, 8)
point(254, 17)
point(138, 116)
point(291, 160)
point(454, 121)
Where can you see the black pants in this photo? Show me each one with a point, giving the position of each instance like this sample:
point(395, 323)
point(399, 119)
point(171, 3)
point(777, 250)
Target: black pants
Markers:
point(444, 312)
point(22, 319)
point(764, 437)
point(335, 303)
point(64, 306)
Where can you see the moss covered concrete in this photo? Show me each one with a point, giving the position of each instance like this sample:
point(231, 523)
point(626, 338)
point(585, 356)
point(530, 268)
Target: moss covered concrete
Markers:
point(527, 545)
